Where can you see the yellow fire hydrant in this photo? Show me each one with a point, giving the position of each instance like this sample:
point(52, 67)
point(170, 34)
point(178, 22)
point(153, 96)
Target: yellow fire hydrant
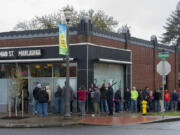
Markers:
point(144, 107)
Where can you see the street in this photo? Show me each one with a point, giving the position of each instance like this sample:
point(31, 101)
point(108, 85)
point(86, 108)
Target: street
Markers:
point(168, 128)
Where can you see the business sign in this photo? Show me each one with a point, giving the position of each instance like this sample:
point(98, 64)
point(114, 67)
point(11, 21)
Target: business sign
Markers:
point(25, 53)
point(63, 48)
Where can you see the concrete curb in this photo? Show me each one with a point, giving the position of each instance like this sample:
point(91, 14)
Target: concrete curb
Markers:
point(164, 120)
point(25, 125)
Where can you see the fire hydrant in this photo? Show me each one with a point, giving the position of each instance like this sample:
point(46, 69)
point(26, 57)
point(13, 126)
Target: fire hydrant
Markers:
point(144, 107)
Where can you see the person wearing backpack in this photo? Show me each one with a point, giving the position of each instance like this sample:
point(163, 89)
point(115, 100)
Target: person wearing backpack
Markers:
point(35, 93)
point(58, 95)
point(43, 98)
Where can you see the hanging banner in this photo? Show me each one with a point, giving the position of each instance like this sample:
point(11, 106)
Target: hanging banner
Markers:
point(63, 49)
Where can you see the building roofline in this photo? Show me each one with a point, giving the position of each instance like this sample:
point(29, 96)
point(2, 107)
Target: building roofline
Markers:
point(75, 31)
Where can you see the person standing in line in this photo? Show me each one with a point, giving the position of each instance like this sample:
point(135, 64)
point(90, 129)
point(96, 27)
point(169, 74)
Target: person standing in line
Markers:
point(127, 98)
point(57, 95)
point(150, 100)
point(90, 97)
point(103, 99)
point(70, 100)
point(96, 100)
point(167, 99)
point(139, 100)
point(82, 94)
point(118, 100)
point(35, 93)
point(110, 98)
point(48, 90)
point(174, 101)
point(134, 96)
point(43, 99)
point(157, 97)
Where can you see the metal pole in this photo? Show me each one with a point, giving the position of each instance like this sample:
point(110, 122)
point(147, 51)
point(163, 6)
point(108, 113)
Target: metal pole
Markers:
point(67, 92)
point(163, 80)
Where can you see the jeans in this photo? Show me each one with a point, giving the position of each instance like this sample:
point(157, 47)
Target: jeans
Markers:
point(43, 109)
point(133, 105)
point(156, 105)
point(104, 105)
point(174, 105)
point(35, 107)
point(166, 106)
point(110, 105)
point(127, 105)
point(26, 104)
point(58, 104)
point(118, 106)
point(82, 106)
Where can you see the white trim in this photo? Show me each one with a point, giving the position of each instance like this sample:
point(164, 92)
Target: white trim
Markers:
point(33, 60)
point(114, 61)
point(87, 43)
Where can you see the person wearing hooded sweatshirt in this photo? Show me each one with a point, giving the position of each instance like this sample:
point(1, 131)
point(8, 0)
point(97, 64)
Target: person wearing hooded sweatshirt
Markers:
point(134, 96)
point(48, 90)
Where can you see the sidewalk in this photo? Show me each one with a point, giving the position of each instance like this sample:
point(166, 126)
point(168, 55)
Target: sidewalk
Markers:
point(58, 120)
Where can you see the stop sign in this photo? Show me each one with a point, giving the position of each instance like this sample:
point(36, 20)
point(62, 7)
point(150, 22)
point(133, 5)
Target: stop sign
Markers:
point(163, 68)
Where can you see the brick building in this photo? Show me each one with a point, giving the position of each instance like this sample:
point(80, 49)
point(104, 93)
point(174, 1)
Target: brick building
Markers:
point(96, 56)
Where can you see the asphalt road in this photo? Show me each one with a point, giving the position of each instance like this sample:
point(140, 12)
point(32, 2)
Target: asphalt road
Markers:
point(168, 128)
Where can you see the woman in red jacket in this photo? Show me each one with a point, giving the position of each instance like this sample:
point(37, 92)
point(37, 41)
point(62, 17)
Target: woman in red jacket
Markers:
point(82, 94)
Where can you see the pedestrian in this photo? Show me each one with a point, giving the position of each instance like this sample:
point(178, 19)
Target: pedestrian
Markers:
point(35, 93)
point(70, 99)
point(139, 100)
point(145, 93)
point(110, 98)
point(167, 99)
point(134, 96)
point(90, 97)
point(43, 99)
point(82, 94)
point(118, 99)
point(96, 100)
point(48, 90)
point(127, 98)
point(58, 95)
point(103, 99)
point(174, 101)
point(150, 99)
point(157, 98)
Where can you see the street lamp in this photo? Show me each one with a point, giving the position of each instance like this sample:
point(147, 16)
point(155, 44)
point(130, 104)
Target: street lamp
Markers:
point(67, 13)
point(126, 33)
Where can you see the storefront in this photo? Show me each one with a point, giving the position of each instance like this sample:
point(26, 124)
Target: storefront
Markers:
point(43, 64)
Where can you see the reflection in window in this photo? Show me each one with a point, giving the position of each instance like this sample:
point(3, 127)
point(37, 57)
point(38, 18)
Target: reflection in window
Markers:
point(41, 70)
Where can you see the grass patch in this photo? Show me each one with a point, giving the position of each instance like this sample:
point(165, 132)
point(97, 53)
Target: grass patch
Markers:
point(166, 114)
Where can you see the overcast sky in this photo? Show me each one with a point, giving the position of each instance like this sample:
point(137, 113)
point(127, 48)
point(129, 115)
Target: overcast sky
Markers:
point(145, 17)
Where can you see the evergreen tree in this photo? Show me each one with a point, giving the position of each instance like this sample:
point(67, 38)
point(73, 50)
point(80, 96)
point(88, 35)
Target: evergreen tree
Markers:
point(172, 34)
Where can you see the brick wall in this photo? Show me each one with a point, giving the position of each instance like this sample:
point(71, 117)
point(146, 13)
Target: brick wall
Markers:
point(143, 58)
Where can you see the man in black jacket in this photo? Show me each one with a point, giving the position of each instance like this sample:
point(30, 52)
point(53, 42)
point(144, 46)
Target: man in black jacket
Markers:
point(157, 97)
point(110, 98)
point(127, 98)
point(35, 93)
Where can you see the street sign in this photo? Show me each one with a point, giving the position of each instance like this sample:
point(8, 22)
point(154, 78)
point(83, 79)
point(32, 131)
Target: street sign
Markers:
point(163, 68)
point(161, 55)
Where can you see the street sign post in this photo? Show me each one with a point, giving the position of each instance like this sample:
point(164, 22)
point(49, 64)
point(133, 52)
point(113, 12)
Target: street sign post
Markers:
point(163, 68)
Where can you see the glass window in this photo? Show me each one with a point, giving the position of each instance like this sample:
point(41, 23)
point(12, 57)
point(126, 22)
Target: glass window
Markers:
point(41, 70)
point(60, 70)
